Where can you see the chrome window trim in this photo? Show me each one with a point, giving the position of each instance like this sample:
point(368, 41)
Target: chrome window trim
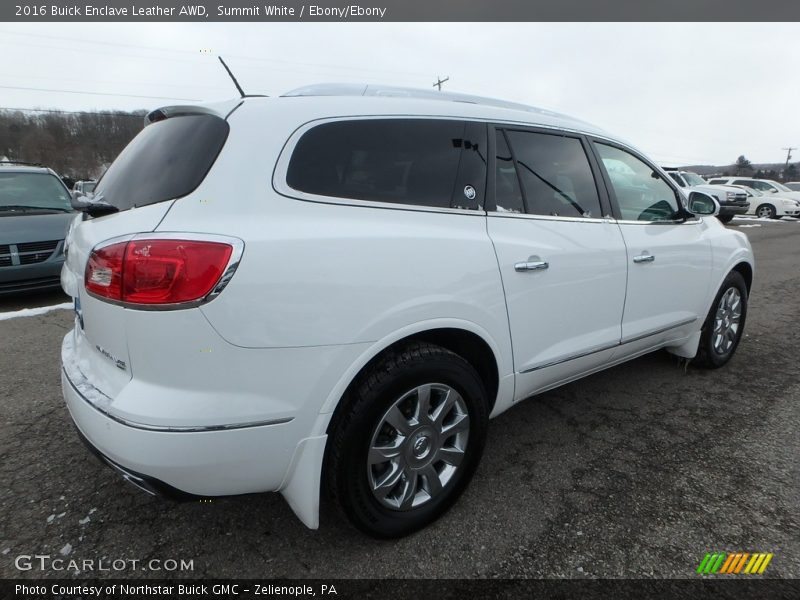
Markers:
point(227, 273)
point(174, 428)
point(515, 215)
point(280, 186)
point(695, 221)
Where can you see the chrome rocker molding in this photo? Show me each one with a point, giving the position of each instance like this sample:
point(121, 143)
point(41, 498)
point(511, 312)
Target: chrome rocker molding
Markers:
point(607, 347)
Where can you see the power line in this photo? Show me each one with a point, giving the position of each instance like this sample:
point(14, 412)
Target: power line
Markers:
point(194, 53)
point(12, 87)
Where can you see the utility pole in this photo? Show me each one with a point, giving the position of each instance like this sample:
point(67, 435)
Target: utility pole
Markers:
point(788, 155)
point(440, 81)
point(785, 174)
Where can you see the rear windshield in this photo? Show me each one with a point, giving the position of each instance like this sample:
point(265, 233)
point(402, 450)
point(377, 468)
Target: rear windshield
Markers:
point(167, 160)
point(33, 190)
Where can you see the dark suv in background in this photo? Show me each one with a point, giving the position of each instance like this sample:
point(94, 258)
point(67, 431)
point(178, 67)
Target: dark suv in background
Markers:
point(35, 213)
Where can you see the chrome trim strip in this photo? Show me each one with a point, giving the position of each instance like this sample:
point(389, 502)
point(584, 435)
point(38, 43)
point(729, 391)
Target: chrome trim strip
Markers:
point(657, 331)
point(694, 221)
point(569, 358)
point(515, 215)
point(176, 428)
point(606, 347)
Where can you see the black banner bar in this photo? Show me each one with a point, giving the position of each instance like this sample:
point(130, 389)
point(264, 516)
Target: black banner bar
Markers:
point(400, 10)
point(398, 589)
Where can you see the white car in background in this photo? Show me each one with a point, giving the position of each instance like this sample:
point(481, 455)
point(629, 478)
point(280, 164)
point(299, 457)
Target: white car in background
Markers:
point(393, 268)
point(767, 206)
point(770, 206)
point(779, 198)
point(793, 185)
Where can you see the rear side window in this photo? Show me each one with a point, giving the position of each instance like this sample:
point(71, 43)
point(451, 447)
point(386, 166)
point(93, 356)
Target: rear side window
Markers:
point(556, 177)
point(420, 162)
point(167, 160)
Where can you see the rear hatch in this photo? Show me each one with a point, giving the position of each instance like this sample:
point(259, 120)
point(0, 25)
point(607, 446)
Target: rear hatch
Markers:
point(166, 161)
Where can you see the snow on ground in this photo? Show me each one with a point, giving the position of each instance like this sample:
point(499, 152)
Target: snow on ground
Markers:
point(32, 312)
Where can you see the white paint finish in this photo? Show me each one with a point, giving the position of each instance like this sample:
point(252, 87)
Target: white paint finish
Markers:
point(673, 288)
point(213, 463)
point(573, 306)
point(103, 335)
point(323, 287)
point(301, 487)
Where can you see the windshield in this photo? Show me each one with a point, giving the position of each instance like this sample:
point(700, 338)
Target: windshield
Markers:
point(42, 191)
point(88, 187)
point(693, 178)
point(781, 187)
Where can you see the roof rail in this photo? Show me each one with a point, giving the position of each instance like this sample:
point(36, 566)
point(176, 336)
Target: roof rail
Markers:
point(355, 89)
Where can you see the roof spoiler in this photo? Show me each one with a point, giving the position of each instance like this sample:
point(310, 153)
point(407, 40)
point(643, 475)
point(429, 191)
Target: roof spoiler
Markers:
point(217, 109)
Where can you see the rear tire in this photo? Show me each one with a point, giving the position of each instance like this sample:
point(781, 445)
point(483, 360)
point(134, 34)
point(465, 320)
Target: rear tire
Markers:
point(407, 441)
point(724, 325)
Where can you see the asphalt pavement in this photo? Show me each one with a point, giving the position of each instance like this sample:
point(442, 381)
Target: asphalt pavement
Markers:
point(637, 471)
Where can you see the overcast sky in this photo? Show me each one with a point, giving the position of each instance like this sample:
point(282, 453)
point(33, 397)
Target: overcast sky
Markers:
point(683, 93)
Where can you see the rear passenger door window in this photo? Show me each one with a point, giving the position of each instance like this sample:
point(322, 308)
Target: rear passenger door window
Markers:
point(507, 191)
point(555, 174)
point(419, 162)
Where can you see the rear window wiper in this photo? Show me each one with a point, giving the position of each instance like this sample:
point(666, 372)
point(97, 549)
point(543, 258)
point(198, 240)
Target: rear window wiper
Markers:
point(95, 206)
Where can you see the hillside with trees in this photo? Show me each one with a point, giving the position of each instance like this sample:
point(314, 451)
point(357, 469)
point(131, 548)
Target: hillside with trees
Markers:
point(77, 145)
point(743, 167)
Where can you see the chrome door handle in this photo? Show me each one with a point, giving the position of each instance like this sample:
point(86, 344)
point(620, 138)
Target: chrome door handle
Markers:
point(531, 265)
point(644, 257)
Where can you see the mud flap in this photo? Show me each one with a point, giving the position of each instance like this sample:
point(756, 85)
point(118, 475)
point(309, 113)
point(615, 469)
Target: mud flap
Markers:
point(301, 488)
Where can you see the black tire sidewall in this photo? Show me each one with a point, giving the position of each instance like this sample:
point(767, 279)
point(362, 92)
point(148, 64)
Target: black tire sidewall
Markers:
point(710, 356)
point(773, 211)
point(354, 493)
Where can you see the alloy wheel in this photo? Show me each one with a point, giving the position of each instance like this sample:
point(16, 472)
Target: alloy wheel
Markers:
point(418, 446)
point(727, 321)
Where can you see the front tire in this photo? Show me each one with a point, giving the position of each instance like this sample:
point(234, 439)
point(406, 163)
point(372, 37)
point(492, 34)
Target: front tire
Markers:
point(725, 219)
point(407, 441)
point(724, 325)
point(766, 211)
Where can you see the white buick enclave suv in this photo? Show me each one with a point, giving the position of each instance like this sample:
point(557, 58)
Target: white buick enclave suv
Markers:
point(338, 288)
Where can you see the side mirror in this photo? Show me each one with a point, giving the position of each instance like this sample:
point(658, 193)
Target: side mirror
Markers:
point(79, 201)
point(703, 204)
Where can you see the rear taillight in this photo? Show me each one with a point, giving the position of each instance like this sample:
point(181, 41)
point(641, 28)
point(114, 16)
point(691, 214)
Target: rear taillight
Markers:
point(157, 271)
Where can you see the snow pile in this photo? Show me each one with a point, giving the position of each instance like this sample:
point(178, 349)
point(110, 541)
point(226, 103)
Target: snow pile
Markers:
point(32, 312)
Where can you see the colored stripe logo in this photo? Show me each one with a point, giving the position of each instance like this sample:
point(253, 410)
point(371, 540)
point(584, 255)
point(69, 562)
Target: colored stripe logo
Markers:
point(734, 563)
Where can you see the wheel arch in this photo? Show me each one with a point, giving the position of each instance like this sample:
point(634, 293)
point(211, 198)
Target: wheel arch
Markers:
point(467, 343)
point(746, 270)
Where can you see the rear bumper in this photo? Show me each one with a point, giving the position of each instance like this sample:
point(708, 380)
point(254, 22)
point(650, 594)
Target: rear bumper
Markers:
point(200, 463)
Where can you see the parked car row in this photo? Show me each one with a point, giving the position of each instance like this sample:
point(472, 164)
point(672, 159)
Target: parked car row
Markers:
point(743, 195)
point(767, 198)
